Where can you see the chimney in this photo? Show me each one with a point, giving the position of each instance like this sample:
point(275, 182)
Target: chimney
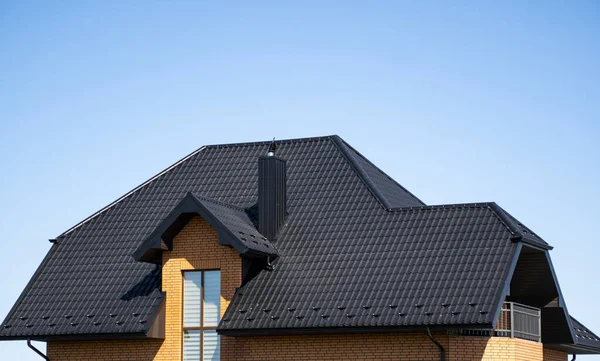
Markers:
point(271, 193)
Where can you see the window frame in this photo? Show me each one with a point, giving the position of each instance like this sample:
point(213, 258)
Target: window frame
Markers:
point(200, 328)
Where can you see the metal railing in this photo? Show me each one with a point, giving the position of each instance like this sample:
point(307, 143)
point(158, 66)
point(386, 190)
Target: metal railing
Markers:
point(516, 320)
point(520, 321)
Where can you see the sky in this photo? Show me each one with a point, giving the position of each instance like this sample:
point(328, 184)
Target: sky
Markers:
point(458, 101)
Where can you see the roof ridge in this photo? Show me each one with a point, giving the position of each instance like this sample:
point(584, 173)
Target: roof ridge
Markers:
point(267, 142)
point(342, 147)
point(442, 206)
point(518, 228)
point(384, 199)
point(131, 192)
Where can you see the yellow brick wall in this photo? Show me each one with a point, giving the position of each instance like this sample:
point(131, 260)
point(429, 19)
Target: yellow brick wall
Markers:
point(388, 346)
point(552, 355)
point(528, 350)
point(130, 350)
point(374, 346)
point(196, 247)
point(481, 348)
point(494, 349)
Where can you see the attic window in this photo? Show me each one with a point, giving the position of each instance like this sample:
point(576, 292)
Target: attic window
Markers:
point(201, 314)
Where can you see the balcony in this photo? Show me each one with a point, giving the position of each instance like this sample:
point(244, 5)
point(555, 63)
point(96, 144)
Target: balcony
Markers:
point(515, 321)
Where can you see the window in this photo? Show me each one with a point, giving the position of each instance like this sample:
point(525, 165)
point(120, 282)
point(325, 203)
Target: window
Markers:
point(201, 314)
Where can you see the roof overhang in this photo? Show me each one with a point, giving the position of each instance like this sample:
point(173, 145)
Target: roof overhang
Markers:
point(343, 330)
point(574, 349)
point(161, 239)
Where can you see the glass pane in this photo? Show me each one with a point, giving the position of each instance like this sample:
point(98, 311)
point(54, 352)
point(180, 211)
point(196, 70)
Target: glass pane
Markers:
point(191, 345)
point(192, 297)
point(212, 349)
point(212, 297)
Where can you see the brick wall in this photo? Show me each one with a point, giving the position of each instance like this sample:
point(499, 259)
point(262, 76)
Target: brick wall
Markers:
point(378, 346)
point(388, 346)
point(196, 247)
point(552, 355)
point(130, 350)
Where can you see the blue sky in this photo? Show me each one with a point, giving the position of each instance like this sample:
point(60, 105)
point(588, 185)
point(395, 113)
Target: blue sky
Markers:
point(458, 101)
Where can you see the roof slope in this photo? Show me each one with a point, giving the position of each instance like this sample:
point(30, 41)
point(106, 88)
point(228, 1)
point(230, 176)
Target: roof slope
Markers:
point(90, 271)
point(388, 191)
point(354, 265)
point(585, 337)
point(238, 224)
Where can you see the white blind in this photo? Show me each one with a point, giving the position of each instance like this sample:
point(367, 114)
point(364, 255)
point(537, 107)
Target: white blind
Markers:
point(201, 307)
point(191, 345)
point(212, 351)
point(212, 297)
point(192, 299)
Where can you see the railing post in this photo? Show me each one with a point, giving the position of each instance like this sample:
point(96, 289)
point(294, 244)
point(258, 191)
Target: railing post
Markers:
point(512, 320)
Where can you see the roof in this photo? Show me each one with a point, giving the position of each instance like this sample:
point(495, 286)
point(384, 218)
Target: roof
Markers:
point(584, 337)
point(357, 249)
point(360, 266)
point(91, 271)
point(585, 341)
point(232, 223)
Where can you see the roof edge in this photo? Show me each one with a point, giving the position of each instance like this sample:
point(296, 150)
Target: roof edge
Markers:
point(343, 330)
point(79, 337)
point(152, 179)
point(516, 234)
point(508, 275)
point(519, 234)
point(267, 142)
point(574, 349)
point(174, 165)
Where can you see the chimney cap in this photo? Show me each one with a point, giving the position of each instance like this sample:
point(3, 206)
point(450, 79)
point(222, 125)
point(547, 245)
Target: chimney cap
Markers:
point(272, 147)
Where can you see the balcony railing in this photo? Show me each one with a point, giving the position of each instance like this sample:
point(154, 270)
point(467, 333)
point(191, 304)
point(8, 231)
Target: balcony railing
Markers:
point(520, 321)
point(516, 320)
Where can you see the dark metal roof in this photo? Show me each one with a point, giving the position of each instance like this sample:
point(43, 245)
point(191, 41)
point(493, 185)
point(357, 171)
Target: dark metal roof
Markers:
point(359, 266)
point(584, 336)
point(232, 223)
point(356, 250)
point(90, 271)
point(585, 343)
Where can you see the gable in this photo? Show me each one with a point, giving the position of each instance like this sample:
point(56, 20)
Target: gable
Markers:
point(233, 225)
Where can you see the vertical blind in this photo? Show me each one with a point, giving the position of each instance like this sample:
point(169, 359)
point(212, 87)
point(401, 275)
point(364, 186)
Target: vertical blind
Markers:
point(191, 345)
point(211, 346)
point(212, 297)
point(192, 299)
point(201, 315)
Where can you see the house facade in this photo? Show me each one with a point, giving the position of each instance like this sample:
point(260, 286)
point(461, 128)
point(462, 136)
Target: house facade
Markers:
point(299, 250)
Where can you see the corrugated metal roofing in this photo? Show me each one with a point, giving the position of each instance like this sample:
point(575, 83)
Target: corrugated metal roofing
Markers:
point(359, 266)
point(583, 335)
point(348, 256)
